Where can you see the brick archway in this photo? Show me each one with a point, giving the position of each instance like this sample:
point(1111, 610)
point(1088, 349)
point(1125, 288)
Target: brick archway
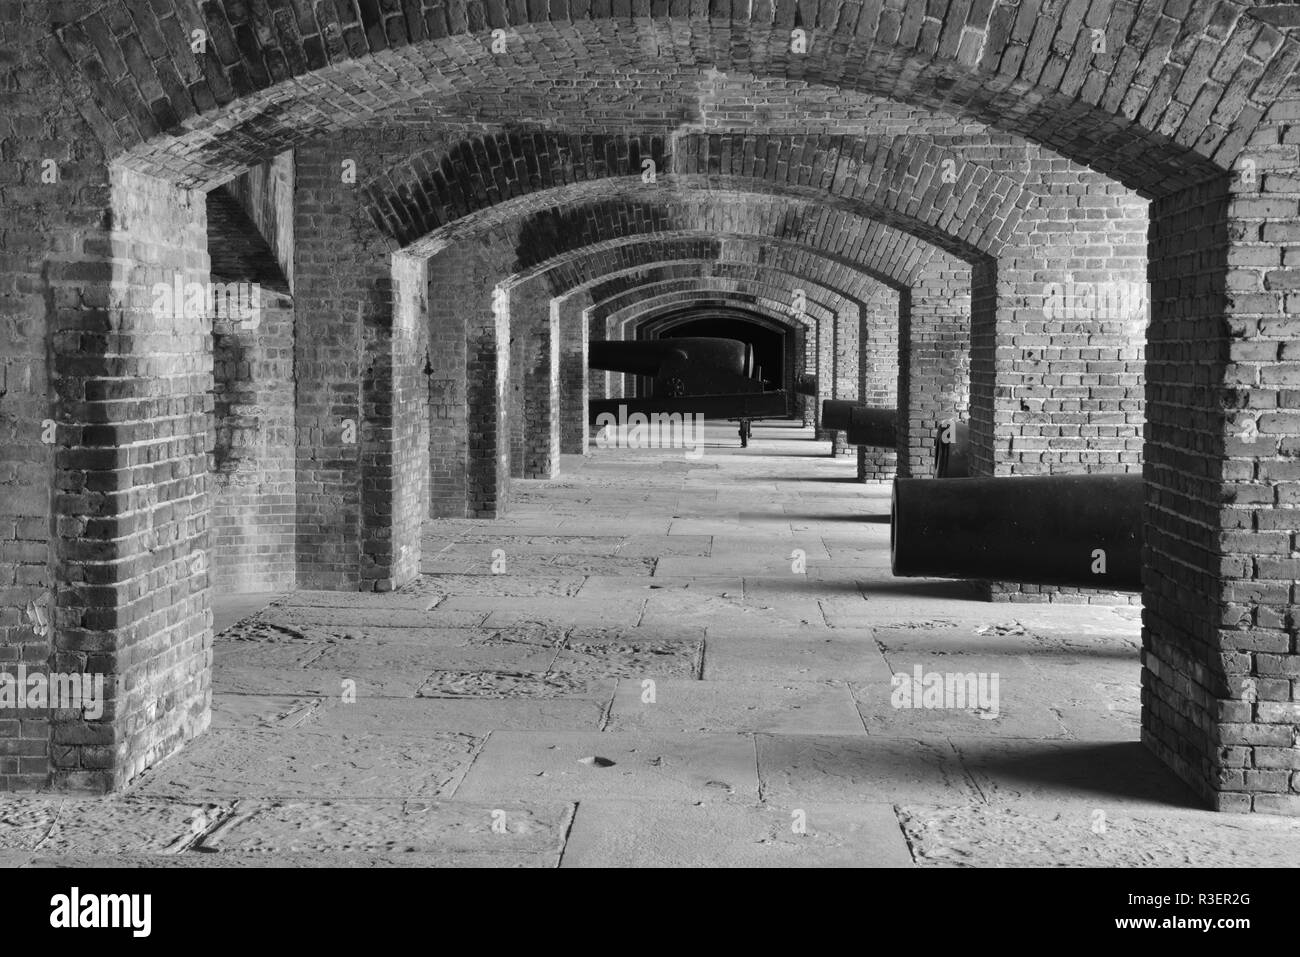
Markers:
point(1171, 106)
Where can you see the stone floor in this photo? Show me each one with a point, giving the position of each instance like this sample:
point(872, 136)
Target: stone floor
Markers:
point(657, 660)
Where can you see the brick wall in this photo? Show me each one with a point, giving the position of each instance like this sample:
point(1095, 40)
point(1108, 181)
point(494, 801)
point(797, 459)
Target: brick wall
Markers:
point(254, 509)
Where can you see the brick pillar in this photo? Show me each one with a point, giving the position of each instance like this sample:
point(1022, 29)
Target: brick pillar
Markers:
point(824, 354)
point(574, 380)
point(469, 337)
point(846, 361)
point(1220, 663)
point(134, 493)
point(535, 384)
point(356, 372)
point(934, 361)
point(879, 375)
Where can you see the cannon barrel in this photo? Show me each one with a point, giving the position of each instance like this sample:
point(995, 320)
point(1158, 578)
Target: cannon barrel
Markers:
point(865, 425)
point(952, 458)
point(874, 427)
point(1078, 530)
point(805, 384)
point(648, 356)
point(835, 413)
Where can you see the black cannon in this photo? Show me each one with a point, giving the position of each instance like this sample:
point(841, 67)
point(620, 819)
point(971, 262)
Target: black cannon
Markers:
point(685, 366)
point(712, 377)
point(805, 384)
point(1078, 530)
point(952, 450)
point(861, 424)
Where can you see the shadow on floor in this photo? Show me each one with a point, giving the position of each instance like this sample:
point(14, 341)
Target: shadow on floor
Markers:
point(1118, 770)
point(917, 588)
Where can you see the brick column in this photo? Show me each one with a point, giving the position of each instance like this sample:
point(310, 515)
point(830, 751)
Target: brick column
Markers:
point(879, 375)
point(934, 360)
point(846, 360)
point(133, 490)
point(574, 380)
point(469, 336)
point(535, 385)
point(358, 373)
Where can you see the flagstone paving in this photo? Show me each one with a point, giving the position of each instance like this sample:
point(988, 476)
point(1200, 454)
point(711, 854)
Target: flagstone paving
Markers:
point(661, 661)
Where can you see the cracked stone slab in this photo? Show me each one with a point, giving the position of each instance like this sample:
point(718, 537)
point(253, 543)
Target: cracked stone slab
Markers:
point(778, 707)
point(406, 657)
point(546, 765)
point(310, 764)
point(477, 716)
point(1026, 705)
point(598, 586)
point(800, 769)
point(504, 612)
point(313, 682)
point(362, 618)
point(618, 565)
point(668, 607)
point(262, 712)
point(442, 586)
point(832, 656)
point(374, 827)
point(394, 600)
point(506, 684)
point(131, 825)
point(623, 656)
point(635, 834)
point(1104, 836)
point(657, 546)
point(24, 821)
point(279, 656)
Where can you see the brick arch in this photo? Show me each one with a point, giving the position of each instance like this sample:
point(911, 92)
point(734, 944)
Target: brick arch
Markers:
point(614, 317)
point(617, 311)
point(1135, 111)
point(604, 262)
point(661, 320)
point(817, 292)
point(551, 223)
point(911, 183)
point(793, 330)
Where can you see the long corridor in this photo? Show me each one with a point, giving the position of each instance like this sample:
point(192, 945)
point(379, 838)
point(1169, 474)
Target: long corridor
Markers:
point(502, 710)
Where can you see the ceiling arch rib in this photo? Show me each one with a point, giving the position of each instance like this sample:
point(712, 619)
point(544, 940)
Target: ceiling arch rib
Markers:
point(265, 81)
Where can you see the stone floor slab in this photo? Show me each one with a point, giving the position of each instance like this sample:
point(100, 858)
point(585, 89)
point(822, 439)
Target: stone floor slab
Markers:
point(643, 834)
point(568, 766)
point(704, 706)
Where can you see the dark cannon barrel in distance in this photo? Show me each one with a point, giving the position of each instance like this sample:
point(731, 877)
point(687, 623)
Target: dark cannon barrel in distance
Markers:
point(877, 428)
point(805, 384)
point(862, 424)
point(648, 356)
point(1077, 530)
point(835, 413)
point(952, 457)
